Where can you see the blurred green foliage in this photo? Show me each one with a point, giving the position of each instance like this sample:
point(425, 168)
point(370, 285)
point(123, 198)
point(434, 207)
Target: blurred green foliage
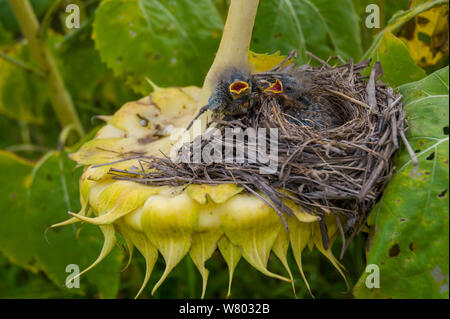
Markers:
point(37, 196)
point(307, 25)
point(104, 64)
point(165, 37)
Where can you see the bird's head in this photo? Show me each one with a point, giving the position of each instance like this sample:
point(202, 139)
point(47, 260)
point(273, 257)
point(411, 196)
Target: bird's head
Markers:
point(275, 87)
point(238, 84)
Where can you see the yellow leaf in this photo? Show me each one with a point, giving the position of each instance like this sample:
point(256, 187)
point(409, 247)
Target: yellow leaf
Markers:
point(264, 62)
point(218, 193)
point(427, 36)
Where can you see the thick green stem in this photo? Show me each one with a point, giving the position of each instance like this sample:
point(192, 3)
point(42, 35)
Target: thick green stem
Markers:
point(59, 96)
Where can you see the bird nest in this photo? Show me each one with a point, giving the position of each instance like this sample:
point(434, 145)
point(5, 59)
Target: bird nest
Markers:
point(336, 159)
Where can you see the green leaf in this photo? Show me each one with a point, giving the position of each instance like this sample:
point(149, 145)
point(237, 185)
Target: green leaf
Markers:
point(325, 28)
point(387, 9)
point(36, 196)
point(9, 132)
point(84, 73)
point(410, 242)
point(398, 65)
point(15, 282)
point(6, 37)
point(92, 86)
point(158, 40)
point(22, 94)
point(80, 66)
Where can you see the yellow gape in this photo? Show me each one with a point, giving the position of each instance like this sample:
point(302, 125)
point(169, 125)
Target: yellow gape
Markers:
point(276, 87)
point(238, 87)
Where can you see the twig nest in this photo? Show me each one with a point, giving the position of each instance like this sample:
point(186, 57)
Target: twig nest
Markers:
point(335, 138)
point(335, 141)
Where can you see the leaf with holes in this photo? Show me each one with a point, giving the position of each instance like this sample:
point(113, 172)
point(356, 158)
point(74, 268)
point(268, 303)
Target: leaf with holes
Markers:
point(36, 196)
point(158, 39)
point(308, 25)
point(410, 233)
point(427, 36)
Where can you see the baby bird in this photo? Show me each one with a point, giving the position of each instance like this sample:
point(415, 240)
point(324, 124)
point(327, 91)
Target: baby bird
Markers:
point(291, 89)
point(231, 96)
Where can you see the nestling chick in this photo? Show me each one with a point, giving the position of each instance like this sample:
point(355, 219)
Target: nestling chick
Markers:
point(231, 95)
point(291, 89)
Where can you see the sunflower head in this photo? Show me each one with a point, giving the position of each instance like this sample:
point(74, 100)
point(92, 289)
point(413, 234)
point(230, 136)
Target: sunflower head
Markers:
point(194, 219)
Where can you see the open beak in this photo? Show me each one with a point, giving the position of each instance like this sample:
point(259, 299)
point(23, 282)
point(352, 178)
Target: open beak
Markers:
point(238, 87)
point(276, 87)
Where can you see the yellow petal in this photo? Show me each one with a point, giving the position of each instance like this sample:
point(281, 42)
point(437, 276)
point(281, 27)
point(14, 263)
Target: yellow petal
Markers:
point(106, 150)
point(202, 248)
point(251, 224)
point(300, 213)
point(332, 228)
point(311, 244)
point(177, 104)
point(97, 174)
point(137, 127)
point(69, 221)
point(137, 119)
point(218, 193)
point(85, 188)
point(144, 246)
point(280, 248)
point(232, 254)
point(204, 239)
point(119, 199)
point(168, 221)
point(109, 131)
point(299, 235)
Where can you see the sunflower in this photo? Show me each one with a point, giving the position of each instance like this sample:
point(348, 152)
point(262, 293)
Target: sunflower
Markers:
point(197, 219)
point(175, 221)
